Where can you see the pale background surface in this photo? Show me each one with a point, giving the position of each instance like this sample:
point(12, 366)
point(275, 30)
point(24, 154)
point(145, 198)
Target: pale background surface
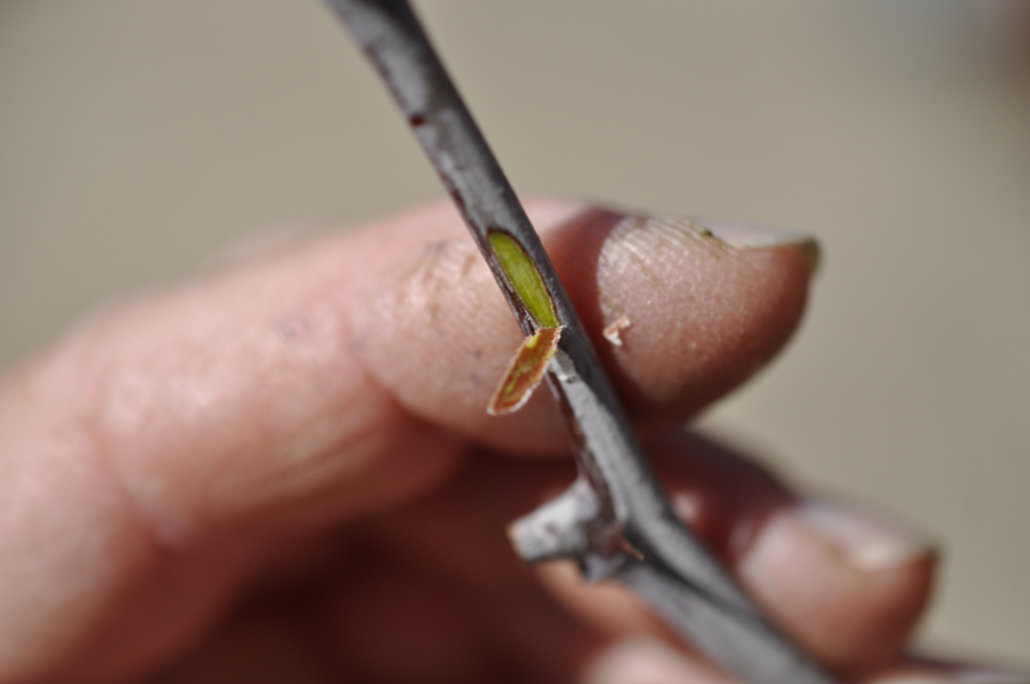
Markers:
point(137, 137)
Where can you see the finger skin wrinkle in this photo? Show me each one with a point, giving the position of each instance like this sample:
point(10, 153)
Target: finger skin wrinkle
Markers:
point(70, 537)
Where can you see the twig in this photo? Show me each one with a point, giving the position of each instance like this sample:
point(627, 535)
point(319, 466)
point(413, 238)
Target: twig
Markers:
point(615, 520)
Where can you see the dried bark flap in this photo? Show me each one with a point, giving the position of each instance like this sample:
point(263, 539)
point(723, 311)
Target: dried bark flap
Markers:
point(525, 371)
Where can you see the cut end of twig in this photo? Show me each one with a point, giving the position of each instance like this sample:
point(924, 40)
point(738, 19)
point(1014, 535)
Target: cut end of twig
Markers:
point(524, 277)
point(612, 331)
point(525, 372)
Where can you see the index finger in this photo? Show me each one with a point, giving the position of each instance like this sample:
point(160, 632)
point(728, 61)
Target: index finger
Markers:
point(322, 384)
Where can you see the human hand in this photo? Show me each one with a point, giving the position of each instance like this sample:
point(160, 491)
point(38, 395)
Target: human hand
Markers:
point(283, 471)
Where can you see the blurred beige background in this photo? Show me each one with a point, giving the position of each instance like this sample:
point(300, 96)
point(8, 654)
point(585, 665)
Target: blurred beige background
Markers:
point(137, 137)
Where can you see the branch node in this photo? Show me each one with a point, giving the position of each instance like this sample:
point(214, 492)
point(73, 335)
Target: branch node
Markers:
point(559, 528)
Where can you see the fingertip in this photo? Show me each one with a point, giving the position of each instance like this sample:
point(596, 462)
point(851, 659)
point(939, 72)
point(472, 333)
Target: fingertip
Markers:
point(850, 585)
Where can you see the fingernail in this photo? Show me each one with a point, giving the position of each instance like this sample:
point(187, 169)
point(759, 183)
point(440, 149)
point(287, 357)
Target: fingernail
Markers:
point(544, 212)
point(868, 541)
point(645, 661)
point(757, 236)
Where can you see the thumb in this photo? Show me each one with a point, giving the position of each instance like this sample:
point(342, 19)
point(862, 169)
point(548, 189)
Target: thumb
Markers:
point(159, 453)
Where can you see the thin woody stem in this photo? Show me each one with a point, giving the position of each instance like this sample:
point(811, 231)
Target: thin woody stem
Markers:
point(615, 520)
